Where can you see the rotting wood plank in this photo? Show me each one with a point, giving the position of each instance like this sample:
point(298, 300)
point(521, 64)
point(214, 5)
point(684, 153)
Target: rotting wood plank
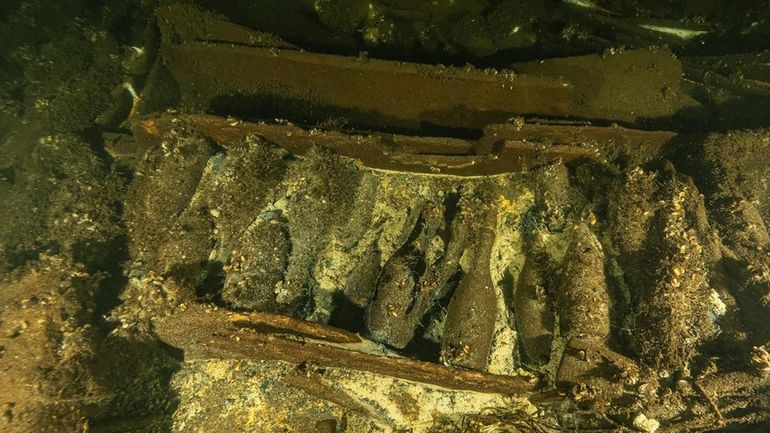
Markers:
point(276, 323)
point(220, 66)
point(205, 332)
point(192, 24)
point(503, 149)
point(370, 92)
point(608, 142)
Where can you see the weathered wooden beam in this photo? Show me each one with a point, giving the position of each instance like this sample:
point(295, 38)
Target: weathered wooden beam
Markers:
point(276, 323)
point(503, 149)
point(371, 92)
point(205, 332)
point(214, 61)
point(186, 22)
point(219, 65)
point(607, 143)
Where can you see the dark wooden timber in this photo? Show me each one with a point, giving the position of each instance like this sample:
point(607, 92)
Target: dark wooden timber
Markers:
point(276, 323)
point(222, 67)
point(371, 92)
point(204, 332)
point(509, 148)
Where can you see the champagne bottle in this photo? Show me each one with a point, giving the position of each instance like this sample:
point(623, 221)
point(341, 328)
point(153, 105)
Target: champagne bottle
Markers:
point(472, 312)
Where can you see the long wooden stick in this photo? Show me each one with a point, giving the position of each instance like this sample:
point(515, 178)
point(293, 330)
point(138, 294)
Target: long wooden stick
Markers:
point(204, 332)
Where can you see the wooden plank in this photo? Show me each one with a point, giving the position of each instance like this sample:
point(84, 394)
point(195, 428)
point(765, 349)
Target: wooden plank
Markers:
point(576, 142)
point(276, 323)
point(368, 92)
point(204, 332)
point(503, 148)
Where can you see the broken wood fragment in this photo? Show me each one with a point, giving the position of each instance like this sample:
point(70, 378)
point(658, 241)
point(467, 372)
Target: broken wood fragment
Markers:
point(376, 93)
point(190, 23)
point(579, 141)
point(512, 149)
point(276, 323)
point(204, 332)
point(311, 383)
point(225, 67)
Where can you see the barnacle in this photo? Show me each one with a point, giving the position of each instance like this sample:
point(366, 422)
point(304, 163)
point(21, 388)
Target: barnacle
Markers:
point(760, 359)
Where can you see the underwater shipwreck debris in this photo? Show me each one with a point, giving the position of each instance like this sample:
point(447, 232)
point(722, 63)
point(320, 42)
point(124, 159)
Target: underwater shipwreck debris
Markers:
point(442, 233)
point(220, 67)
point(400, 260)
point(502, 149)
point(205, 332)
point(404, 206)
point(417, 248)
point(224, 73)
